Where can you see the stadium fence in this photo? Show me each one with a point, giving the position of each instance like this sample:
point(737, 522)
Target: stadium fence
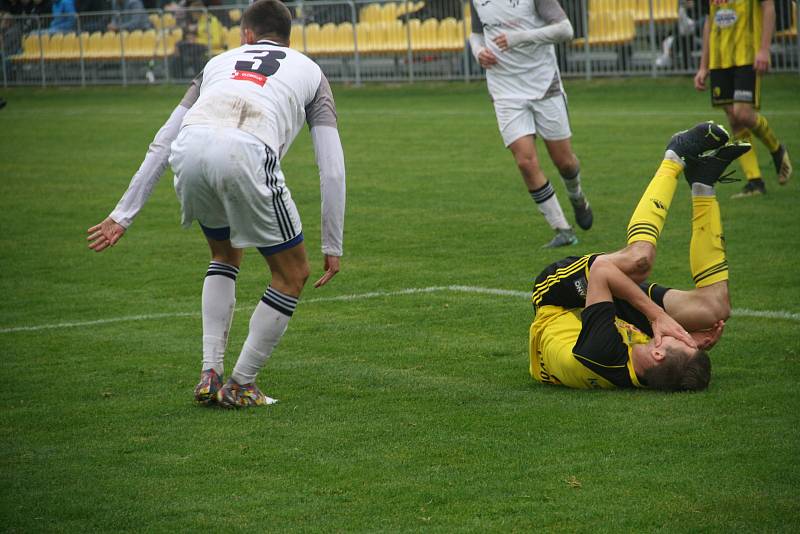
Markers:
point(358, 41)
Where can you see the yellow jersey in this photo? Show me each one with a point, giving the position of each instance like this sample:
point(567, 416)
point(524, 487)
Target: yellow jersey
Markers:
point(735, 32)
point(583, 348)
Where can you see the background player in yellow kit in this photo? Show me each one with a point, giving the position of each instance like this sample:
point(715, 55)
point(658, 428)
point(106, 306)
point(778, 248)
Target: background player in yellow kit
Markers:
point(736, 52)
point(595, 327)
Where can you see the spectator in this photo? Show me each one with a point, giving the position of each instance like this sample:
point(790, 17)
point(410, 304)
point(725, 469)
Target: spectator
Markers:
point(203, 32)
point(91, 20)
point(130, 16)
point(64, 17)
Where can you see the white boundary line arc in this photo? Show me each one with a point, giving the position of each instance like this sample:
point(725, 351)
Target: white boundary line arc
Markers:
point(736, 312)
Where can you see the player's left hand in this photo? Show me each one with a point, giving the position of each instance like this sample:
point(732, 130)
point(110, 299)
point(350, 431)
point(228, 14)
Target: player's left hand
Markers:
point(104, 235)
point(331, 268)
point(761, 64)
point(502, 42)
point(664, 325)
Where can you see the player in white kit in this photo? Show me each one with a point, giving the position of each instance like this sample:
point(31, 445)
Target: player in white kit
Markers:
point(513, 40)
point(225, 141)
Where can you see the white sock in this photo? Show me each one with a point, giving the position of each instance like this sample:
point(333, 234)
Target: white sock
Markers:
point(547, 202)
point(702, 190)
point(573, 185)
point(267, 325)
point(219, 301)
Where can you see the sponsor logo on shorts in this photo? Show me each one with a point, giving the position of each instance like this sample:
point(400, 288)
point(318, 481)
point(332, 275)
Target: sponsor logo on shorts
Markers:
point(580, 287)
point(743, 94)
point(725, 18)
point(254, 77)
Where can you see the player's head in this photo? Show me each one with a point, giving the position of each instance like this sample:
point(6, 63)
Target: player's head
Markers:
point(266, 19)
point(678, 367)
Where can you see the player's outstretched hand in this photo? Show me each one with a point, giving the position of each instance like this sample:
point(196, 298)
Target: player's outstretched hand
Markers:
point(700, 79)
point(664, 325)
point(486, 58)
point(706, 339)
point(331, 268)
point(104, 235)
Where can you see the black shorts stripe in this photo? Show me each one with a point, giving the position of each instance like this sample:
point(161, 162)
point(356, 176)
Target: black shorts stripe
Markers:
point(281, 215)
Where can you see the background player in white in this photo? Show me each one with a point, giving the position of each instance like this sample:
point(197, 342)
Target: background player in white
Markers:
point(227, 136)
point(513, 40)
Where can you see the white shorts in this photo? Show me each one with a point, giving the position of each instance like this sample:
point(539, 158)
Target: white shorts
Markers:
point(546, 118)
point(226, 178)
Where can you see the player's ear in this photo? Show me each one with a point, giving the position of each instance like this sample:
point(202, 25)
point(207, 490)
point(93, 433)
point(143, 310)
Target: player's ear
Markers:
point(658, 354)
point(246, 36)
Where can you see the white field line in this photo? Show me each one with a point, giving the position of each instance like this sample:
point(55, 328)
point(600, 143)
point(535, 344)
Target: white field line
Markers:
point(736, 312)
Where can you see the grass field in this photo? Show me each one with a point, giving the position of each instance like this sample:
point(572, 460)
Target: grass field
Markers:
point(400, 410)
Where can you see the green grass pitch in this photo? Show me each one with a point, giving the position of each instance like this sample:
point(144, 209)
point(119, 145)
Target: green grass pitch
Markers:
point(400, 411)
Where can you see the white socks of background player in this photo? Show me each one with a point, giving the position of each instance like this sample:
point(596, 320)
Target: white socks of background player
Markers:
point(219, 301)
point(547, 202)
point(267, 325)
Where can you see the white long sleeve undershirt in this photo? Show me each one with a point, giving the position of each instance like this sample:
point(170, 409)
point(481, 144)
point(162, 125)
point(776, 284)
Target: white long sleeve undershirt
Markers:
point(551, 34)
point(330, 161)
point(151, 169)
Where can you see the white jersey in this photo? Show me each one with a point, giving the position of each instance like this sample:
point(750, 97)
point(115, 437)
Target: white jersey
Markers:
point(262, 89)
point(526, 71)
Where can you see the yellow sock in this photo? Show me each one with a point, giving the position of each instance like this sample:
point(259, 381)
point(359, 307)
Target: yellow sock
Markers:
point(707, 249)
point(650, 214)
point(765, 134)
point(748, 160)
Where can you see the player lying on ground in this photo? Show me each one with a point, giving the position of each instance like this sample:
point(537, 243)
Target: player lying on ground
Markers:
point(599, 325)
point(225, 141)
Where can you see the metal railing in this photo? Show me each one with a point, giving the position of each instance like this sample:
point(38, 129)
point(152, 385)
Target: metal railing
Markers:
point(358, 41)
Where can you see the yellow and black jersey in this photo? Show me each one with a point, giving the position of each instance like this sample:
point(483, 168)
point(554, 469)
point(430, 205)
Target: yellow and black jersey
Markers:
point(585, 348)
point(735, 32)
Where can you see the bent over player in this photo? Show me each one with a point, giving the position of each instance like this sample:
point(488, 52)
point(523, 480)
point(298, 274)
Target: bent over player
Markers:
point(595, 327)
point(513, 41)
point(227, 136)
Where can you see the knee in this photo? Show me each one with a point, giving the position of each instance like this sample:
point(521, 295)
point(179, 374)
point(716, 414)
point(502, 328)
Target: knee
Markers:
point(641, 257)
point(568, 166)
point(528, 164)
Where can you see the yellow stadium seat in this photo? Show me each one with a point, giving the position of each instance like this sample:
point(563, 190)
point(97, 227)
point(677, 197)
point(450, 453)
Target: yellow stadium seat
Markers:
point(388, 12)
point(91, 49)
point(370, 13)
point(425, 36)
point(234, 38)
point(344, 38)
point(296, 38)
point(609, 28)
point(327, 39)
point(169, 20)
point(313, 40)
point(664, 11)
point(70, 49)
point(155, 21)
point(52, 47)
point(132, 44)
point(451, 35)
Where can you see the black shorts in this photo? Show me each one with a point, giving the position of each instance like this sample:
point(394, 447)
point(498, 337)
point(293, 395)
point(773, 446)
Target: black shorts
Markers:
point(564, 283)
point(736, 84)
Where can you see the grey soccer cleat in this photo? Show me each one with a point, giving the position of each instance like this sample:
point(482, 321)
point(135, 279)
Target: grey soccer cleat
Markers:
point(583, 212)
point(563, 238)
